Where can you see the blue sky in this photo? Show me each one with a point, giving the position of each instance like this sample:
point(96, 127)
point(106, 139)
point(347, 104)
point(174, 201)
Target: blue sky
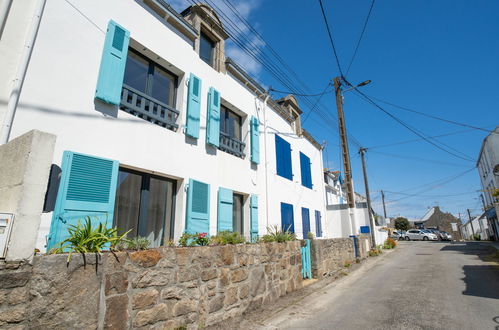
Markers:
point(439, 57)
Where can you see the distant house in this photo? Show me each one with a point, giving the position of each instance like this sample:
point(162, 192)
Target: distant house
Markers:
point(477, 226)
point(437, 219)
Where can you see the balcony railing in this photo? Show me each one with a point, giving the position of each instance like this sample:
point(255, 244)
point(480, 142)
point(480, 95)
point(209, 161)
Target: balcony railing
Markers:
point(148, 108)
point(231, 145)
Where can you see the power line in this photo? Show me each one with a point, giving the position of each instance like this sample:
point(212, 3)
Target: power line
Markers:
point(316, 102)
point(415, 158)
point(361, 35)
point(401, 122)
point(432, 116)
point(296, 94)
point(331, 38)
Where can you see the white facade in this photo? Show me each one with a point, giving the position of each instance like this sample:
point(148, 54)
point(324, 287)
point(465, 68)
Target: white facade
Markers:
point(487, 160)
point(477, 226)
point(58, 97)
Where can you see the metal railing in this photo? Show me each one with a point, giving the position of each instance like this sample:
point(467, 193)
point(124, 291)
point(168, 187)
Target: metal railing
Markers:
point(231, 145)
point(148, 108)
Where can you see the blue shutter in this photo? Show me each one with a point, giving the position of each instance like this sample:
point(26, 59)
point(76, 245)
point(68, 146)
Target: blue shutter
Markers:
point(87, 188)
point(112, 66)
point(318, 224)
point(198, 207)
point(193, 107)
point(287, 217)
point(254, 217)
point(225, 210)
point(283, 158)
point(306, 175)
point(255, 140)
point(364, 230)
point(305, 219)
point(213, 118)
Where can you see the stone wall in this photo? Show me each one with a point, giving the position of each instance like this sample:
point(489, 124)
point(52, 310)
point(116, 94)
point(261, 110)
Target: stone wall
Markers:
point(364, 245)
point(329, 255)
point(158, 288)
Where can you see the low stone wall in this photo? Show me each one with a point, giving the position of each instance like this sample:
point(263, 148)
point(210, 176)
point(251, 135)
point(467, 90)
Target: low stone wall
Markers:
point(159, 288)
point(329, 255)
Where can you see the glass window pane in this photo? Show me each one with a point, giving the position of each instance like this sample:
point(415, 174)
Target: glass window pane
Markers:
point(163, 86)
point(223, 124)
point(237, 214)
point(235, 125)
point(127, 205)
point(136, 72)
point(206, 47)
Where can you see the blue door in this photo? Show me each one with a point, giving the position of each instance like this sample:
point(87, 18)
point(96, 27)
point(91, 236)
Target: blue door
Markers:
point(305, 218)
point(287, 217)
point(87, 189)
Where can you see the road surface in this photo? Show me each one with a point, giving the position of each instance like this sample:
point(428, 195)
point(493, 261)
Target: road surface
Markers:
point(420, 285)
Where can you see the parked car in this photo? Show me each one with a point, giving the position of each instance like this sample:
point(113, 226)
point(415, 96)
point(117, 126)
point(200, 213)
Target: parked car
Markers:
point(420, 234)
point(397, 235)
point(439, 234)
point(446, 236)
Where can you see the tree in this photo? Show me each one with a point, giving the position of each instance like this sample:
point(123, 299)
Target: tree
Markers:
point(401, 223)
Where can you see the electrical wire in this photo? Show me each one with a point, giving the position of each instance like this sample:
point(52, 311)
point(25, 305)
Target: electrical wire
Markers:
point(316, 102)
point(296, 94)
point(416, 158)
point(361, 35)
point(331, 38)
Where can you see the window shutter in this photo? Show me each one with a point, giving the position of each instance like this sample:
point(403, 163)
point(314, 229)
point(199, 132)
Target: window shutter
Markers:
point(305, 218)
point(112, 66)
point(225, 205)
point(283, 158)
point(287, 217)
point(198, 207)
point(255, 140)
point(318, 224)
point(254, 217)
point(306, 175)
point(87, 188)
point(213, 118)
point(193, 107)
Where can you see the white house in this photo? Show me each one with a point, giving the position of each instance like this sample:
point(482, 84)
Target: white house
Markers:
point(157, 131)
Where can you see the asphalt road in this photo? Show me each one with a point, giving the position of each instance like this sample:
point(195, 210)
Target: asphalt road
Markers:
point(420, 285)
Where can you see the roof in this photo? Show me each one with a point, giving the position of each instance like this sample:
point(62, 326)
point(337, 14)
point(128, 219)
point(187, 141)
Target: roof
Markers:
point(428, 214)
point(495, 132)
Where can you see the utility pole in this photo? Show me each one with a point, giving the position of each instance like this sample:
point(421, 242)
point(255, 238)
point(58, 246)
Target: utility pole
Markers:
point(383, 199)
point(345, 153)
point(368, 197)
point(471, 222)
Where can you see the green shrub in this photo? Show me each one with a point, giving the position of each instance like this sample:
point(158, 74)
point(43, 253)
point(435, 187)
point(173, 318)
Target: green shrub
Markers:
point(347, 264)
point(477, 237)
point(227, 237)
point(194, 239)
point(277, 235)
point(310, 235)
point(390, 243)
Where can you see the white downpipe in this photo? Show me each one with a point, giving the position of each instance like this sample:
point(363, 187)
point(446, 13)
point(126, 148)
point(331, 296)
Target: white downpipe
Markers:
point(266, 161)
point(18, 80)
point(4, 13)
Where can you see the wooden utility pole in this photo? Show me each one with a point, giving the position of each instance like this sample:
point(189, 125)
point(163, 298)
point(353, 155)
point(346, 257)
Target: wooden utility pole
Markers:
point(471, 223)
point(368, 196)
point(344, 144)
point(383, 199)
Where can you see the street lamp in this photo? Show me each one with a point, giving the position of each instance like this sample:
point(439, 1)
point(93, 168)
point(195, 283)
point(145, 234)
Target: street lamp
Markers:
point(359, 85)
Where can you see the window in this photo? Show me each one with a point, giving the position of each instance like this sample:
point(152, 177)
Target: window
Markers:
point(144, 205)
point(206, 49)
point(283, 158)
point(237, 214)
point(149, 91)
point(231, 132)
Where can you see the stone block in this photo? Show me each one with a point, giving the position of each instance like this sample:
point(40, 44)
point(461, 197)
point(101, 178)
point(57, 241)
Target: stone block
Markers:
point(188, 273)
point(209, 274)
point(224, 277)
point(183, 256)
point(146, 258)
point(227, 254)
point(173, 292)
point(184, 307)
point(238, 275)
point(243, 291)
point(152, 315)
point(116, 283)
point(13, 315)
point(231, 296)
point(144, 299)
point(215, 304)
point(116, 312)
point(17, 296)
point(9, 279)
point(257, 281)
point(153, 277)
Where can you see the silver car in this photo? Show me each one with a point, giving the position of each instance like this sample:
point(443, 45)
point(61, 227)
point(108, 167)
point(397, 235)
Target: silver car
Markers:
point(446, 236)
point(420, 234)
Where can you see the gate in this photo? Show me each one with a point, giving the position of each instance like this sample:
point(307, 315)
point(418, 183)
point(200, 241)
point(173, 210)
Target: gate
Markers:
point(306, 262)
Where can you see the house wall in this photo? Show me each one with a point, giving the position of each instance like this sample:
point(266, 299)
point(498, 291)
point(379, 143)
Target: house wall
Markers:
point(488, 158)
point(161, 288)
point(58, 97)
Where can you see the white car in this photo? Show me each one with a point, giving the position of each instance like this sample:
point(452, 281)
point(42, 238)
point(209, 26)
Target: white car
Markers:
point(420, 234)
point(446, 236)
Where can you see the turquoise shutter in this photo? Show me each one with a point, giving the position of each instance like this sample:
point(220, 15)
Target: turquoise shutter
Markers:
point(225, 203)
point(255, 140)
point(213, 118)
point(254, 217)
point(198, 207)
point(306, 175)
point(112, 65)
point(193, 107)
point(87, 188)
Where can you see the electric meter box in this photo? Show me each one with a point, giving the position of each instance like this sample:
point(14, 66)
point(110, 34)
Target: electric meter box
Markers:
point(6, 221)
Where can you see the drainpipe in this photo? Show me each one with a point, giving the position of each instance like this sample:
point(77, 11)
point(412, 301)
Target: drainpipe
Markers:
point(21, 70)
point(266, 161)
point(4, 12)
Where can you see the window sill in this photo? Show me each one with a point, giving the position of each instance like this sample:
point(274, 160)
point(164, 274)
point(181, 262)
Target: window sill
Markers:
point(232, 146)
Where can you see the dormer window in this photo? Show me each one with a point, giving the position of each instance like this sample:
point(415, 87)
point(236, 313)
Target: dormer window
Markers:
point(206, 49)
